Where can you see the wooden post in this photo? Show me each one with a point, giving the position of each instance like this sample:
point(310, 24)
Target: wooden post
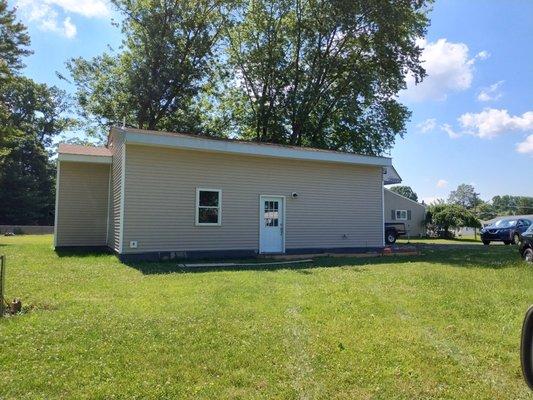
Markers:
point(2, 283)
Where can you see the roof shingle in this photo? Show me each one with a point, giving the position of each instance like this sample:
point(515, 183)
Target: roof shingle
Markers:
point(65, 148)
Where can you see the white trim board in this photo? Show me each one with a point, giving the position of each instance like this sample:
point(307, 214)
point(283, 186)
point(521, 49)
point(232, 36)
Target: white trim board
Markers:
point(85, 158)
point(197, 207)
point(122, 195)
point(149, 138)
point(57, 202)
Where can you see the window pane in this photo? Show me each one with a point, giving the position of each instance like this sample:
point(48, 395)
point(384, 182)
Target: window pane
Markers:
point(208, 199)
point(207, 215)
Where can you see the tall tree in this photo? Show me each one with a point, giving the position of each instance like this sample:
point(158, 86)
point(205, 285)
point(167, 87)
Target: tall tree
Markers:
point(33, 117)
point(166, 57)
point(14, 42)
point(524, 206)
point(465, 195)
point(324, 73)
point(504, 205)
point(485, 211)
point(30, 115)
point(405, 191)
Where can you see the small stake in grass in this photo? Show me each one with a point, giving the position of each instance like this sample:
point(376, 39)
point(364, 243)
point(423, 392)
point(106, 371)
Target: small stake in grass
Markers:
point(16, 305)
point(3, 302)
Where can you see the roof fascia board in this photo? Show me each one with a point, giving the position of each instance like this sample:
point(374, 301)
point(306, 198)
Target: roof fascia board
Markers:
point(84, 158)
point(251, 149)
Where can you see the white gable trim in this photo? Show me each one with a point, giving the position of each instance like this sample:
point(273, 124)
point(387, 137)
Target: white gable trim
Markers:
point(85, 158)
point(251, 149)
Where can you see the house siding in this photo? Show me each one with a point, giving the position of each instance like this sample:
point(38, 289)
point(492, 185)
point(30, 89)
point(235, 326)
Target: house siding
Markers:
point(339, 205)
point(116, 145)
point(416, 225)
point(82, 204)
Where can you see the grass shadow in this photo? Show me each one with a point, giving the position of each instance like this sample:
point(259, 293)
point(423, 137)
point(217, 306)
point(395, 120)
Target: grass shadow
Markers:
point(494, 257)
point(82, 251)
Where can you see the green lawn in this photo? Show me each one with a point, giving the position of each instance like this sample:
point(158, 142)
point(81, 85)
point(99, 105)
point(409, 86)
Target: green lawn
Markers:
point(442, 325)
point(459, 240)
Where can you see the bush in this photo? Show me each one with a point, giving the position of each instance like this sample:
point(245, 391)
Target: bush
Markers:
point(442, 218)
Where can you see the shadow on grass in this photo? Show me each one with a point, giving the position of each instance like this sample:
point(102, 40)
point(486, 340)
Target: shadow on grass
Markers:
point(83, 251)
point(480, 257)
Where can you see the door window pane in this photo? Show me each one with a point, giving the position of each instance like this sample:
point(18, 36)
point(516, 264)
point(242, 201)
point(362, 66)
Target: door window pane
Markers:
point(271, 214)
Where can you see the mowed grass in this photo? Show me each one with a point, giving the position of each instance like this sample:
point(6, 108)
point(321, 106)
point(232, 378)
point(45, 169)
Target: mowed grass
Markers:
point(445, 324)
point(459, 240)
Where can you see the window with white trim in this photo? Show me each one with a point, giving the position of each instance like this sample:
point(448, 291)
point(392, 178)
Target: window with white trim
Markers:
point(208, 207)
point(401, 215)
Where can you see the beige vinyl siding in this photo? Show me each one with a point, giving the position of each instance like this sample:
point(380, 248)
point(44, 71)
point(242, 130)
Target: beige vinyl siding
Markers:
point(82, 204)
point(334, 200)
point(116, 145)
point(394, 201)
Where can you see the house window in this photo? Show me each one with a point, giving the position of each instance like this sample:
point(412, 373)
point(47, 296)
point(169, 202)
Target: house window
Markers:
point(208, 207)
point(401, 215)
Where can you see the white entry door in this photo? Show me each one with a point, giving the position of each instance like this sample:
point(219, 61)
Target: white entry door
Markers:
point(271, 224)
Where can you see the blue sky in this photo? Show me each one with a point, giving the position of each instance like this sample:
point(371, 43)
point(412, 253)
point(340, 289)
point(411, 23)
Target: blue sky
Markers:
point(472, 117)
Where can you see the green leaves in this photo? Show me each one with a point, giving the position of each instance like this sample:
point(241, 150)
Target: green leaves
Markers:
point(324, 74)
point(308, 73)
point(450, 216)
point(156, 79)
point(14, 41)
point(405, 191)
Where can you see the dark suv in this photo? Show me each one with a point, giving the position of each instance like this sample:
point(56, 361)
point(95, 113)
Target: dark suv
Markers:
point(526, 245)
point(507, 230)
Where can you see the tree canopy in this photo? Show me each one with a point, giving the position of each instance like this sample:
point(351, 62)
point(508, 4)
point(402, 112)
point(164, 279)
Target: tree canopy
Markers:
point(442, 218)
point(166, 57)
point(14, 42)
point(31, 114)
point(465, 195)
point(310, 73)
point(405, 191)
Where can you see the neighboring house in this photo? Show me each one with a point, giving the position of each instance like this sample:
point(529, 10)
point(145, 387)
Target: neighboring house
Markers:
point(153, 195)
point(401, 209)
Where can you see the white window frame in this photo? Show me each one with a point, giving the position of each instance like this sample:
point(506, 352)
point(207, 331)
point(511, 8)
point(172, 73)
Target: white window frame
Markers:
point(399, 213)
point(197, 208)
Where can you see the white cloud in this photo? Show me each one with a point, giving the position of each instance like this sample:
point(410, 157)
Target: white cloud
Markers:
point(87, 8)
point(490, 93)
point(449, 69)
point(69, 28)
point(442, 183)
point(427, 126)
point(46, 13)
point(526, 147)
point(483, 55)
point(492, 122)
point(449, 130)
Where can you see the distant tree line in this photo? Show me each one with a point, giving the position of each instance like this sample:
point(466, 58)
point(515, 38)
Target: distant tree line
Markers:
point(30, 116)
point(465, 208)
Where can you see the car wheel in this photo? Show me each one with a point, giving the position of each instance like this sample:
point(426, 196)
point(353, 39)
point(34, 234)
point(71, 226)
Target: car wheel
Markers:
point(486, 242)
point(516, 238)
point(390, 238)
point(528, 255)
